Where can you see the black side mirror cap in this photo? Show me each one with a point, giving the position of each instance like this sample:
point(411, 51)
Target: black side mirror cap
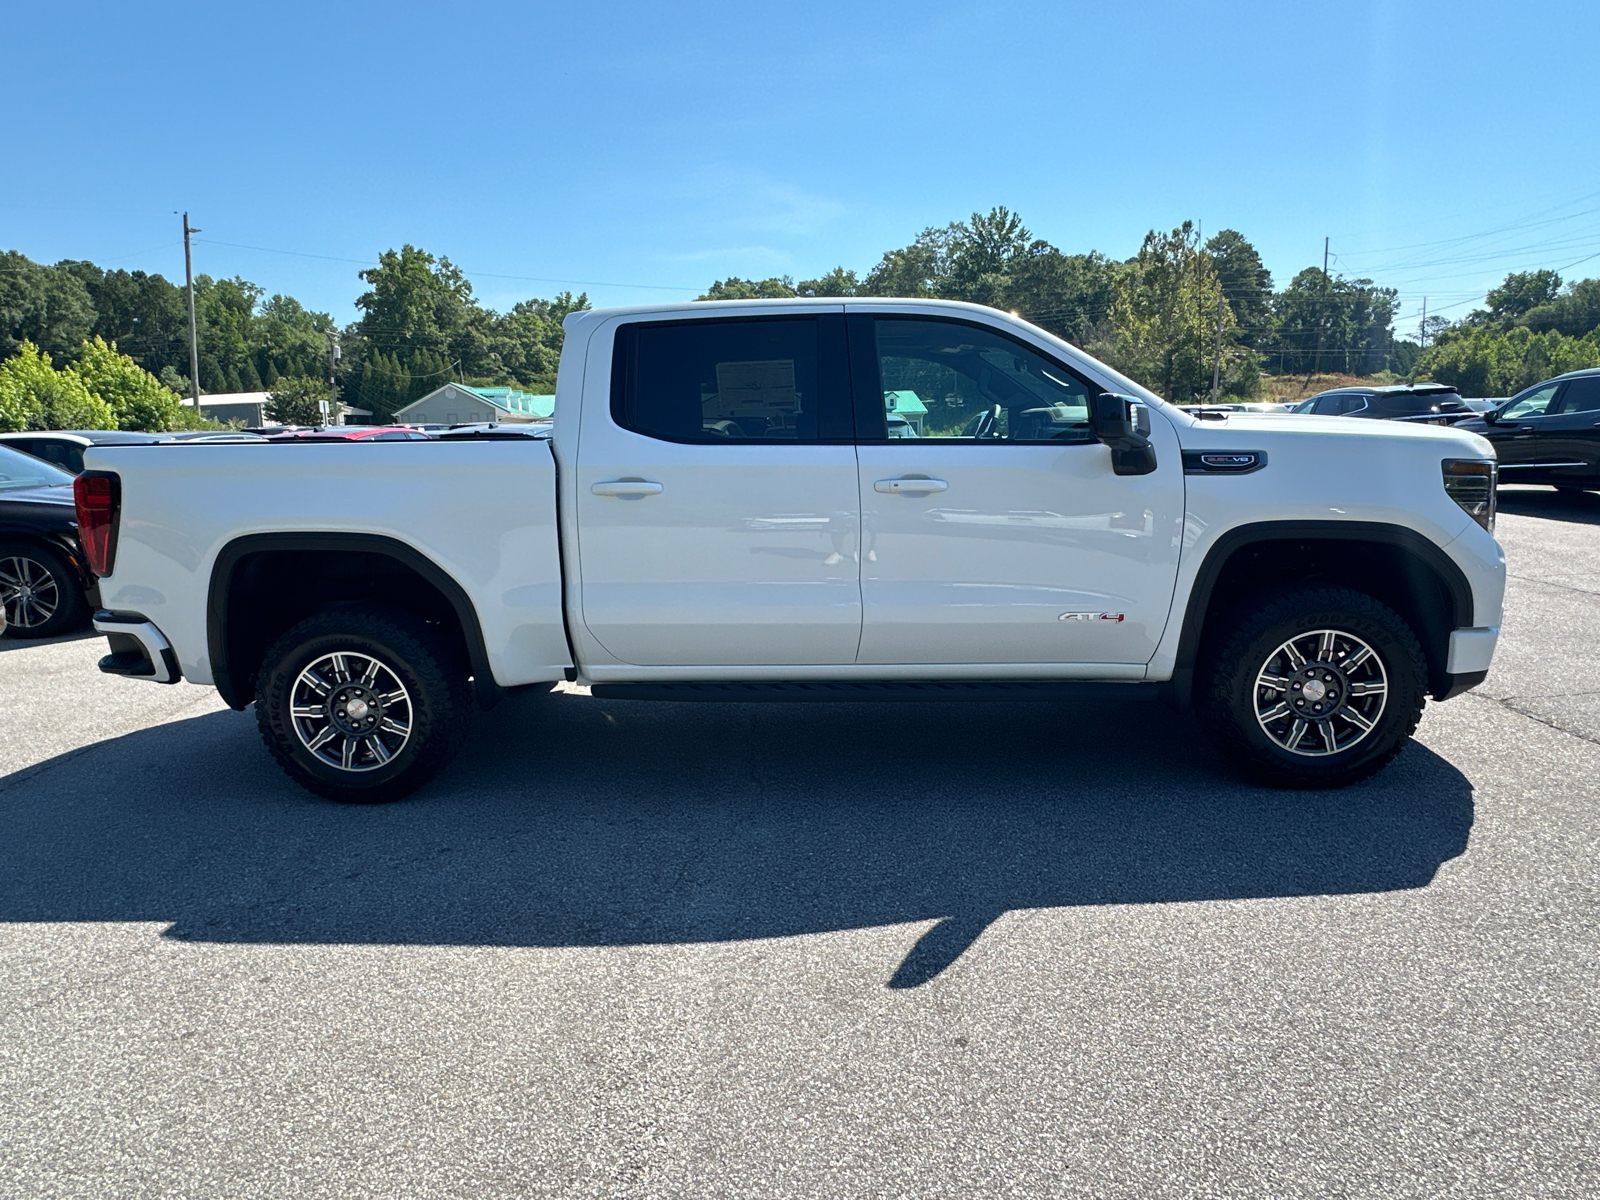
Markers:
point(1123, 424)
point(1490, 417)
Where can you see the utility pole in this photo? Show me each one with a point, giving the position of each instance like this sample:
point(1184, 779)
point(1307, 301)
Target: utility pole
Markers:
point(1424, 323)
point(194, 336)
point(333, 388)
point(1316, 363)
point(1216, 359)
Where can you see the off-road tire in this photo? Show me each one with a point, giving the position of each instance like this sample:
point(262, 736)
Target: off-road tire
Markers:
point(65, 591)
point(1247, 640)
point(412, 653)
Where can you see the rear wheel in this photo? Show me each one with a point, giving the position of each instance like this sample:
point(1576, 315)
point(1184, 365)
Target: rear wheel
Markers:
point(1314, 687)
point(362, 707)
point(39, 591)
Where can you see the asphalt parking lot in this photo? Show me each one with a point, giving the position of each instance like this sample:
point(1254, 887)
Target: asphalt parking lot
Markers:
point(647, 950)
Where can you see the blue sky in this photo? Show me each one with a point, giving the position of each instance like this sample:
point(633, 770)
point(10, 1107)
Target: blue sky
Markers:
point(661, 146)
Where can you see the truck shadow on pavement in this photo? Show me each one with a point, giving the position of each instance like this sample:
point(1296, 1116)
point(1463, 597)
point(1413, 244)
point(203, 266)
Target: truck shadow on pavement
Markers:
point(570, 821)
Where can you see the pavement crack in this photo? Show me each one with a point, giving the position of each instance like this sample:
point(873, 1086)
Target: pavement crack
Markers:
point(1509, 703)
point(1566, 587)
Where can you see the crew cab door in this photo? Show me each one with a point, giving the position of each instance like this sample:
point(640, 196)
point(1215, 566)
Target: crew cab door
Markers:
point(717, 511)
point(996, 531)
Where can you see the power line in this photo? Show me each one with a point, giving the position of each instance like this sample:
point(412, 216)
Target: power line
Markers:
point(655, 287)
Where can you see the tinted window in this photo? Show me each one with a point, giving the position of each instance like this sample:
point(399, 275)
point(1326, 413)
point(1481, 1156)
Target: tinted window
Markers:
point(1581, 395)
point(1402, 404)
point(18, 470)
point(1333, 406)
point(948, 379)
point(719, 381)
point(1533, 404)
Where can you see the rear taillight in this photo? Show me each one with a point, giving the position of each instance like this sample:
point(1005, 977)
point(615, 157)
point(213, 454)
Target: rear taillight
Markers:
point(98, 496)
point(1470, 483)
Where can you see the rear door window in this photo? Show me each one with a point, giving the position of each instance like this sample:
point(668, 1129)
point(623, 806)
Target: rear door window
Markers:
point(1581, 395)
point(775, 379)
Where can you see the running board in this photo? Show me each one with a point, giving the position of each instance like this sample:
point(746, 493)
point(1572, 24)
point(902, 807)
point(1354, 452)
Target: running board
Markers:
point(868, 691)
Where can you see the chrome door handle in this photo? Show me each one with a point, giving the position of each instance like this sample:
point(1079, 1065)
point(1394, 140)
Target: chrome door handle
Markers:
point(626, 487)
point(895, 487)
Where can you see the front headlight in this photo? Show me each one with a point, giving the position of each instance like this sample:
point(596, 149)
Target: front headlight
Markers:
point(1470, 483)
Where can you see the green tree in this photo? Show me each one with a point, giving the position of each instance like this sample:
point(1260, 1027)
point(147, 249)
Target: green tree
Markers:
point(1519, 292)
point(34, 395)
point(1165, 316)
point(837, 282)
point(1573, 313)
point(146, 316)
point(1246, 283)
point(1329, 323)
point(297, 400)
point(46, 307)
point(1481, 361)
point(134, 395)
point(734, 288)
point(1071, 295)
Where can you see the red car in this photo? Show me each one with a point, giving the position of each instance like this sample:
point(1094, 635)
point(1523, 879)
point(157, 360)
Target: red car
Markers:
point(352, 433)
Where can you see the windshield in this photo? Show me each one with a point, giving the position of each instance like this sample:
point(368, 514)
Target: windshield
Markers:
point(18, 470)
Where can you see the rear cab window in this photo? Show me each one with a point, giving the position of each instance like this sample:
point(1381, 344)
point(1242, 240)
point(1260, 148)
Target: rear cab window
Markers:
point(754, 379)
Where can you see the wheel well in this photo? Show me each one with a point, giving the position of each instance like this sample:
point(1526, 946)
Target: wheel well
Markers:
point(1394, 565)
point(263, 585)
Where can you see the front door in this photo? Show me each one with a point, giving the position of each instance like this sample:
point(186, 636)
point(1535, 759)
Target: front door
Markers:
point(717, 511)
point(999, 534)
point(1569, 436)
point(1515, 435)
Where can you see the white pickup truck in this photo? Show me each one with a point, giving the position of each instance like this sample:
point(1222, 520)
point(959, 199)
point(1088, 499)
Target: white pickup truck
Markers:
point(811, 501)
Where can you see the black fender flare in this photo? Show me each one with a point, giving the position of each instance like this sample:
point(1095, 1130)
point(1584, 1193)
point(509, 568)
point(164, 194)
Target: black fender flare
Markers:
point(488, 691)
point(1374, 532)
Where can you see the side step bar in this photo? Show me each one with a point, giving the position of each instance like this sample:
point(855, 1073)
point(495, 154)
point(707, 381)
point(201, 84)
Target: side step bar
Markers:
point(866, 691)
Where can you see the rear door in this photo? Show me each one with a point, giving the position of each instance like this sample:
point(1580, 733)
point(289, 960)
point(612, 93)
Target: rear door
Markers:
point(1000, 534)
point(1569, 436)
point(718, 517)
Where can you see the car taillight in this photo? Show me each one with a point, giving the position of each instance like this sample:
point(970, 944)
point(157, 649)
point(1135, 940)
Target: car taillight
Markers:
point(1470, 483)
point(98, 496)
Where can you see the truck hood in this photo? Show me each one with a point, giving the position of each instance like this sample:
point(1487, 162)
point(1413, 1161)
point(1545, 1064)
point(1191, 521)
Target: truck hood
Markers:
point(1264, 431)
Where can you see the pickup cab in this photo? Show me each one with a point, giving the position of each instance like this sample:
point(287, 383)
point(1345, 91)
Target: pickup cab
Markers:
point(811, 500)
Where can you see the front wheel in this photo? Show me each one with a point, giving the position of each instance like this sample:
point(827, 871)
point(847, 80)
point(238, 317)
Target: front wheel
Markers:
point(362, 707)
point(1314, 687)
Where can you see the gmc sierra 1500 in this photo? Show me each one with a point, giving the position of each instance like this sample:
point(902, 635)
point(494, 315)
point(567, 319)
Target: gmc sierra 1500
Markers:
point(811, 500)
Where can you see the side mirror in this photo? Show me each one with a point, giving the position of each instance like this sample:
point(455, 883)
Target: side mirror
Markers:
point(1490, 417)
point(1123, 424)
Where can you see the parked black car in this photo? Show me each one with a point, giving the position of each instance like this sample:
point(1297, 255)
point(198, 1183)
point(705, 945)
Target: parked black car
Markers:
point(1424, 403)
point(45, 586)
point(1548, 433)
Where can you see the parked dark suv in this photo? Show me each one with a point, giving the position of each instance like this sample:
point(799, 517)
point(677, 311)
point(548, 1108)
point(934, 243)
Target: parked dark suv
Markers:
point(1424, 403)
point(1548, 433)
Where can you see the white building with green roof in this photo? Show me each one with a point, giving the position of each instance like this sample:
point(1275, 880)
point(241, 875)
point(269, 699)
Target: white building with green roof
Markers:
point(906, 404)
point(458, 404)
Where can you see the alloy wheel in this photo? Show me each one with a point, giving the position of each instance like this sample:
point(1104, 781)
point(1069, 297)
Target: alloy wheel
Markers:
point(28, 592)
point(1321, 693)
point(351, 711)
